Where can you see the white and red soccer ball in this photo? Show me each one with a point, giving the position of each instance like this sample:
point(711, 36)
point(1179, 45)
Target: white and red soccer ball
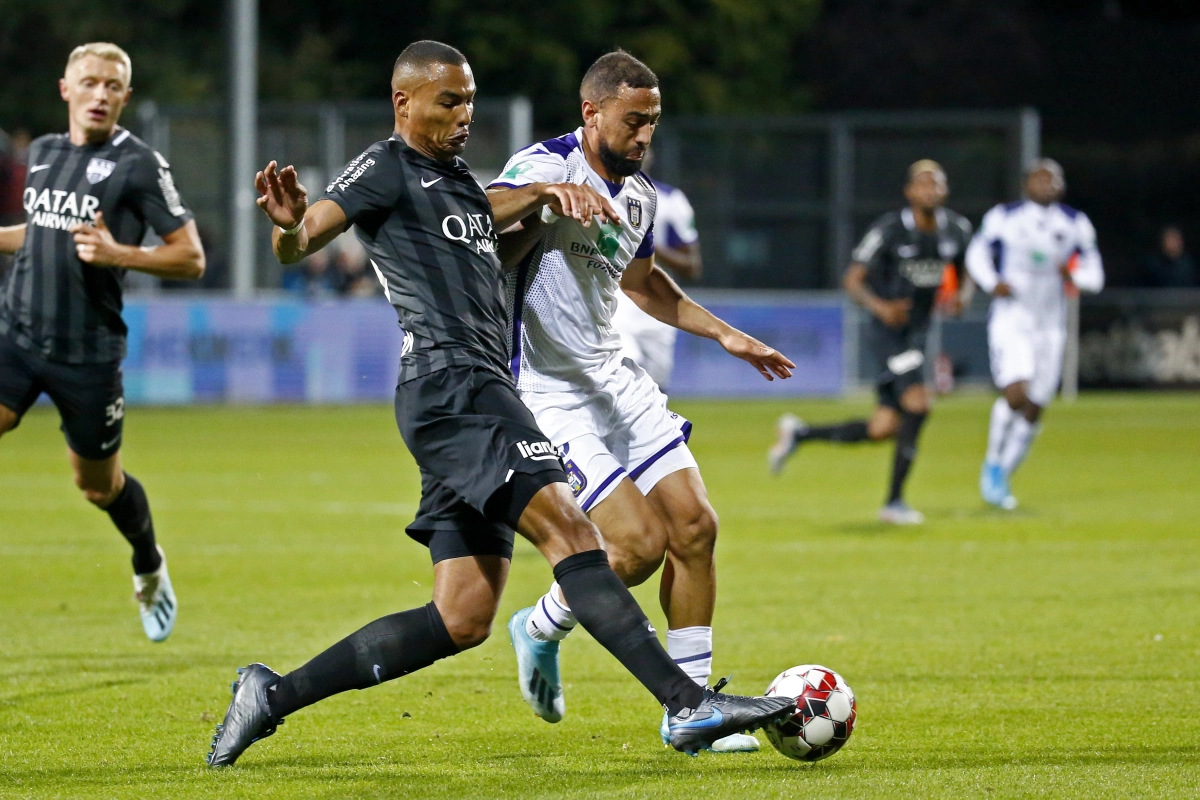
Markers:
point(825, 713)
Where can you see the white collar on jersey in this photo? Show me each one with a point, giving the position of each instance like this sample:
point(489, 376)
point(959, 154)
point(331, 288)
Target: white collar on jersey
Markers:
point(910, 222)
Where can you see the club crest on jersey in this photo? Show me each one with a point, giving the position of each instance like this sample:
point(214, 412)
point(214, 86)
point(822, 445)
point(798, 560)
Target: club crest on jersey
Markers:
point(99, 168)
point(635, 212)
point(575, 478)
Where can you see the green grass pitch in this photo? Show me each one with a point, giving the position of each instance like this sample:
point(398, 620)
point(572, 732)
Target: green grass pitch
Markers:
point(1048, 652)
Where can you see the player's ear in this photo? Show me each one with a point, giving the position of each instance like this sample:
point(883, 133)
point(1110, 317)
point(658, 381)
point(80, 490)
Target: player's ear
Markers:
point(590, 110)
point(63, 90)
point(400, 103)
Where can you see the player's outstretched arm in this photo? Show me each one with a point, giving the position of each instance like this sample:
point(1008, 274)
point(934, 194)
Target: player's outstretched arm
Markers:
point(300, 230)
point(11, 239)
point(179, 257)
point(564, 199)
point(660, 297)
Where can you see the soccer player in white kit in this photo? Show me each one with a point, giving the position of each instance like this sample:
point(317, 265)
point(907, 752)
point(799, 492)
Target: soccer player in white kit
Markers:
point(625, 453)
point(650, 343)
point(1026, 255)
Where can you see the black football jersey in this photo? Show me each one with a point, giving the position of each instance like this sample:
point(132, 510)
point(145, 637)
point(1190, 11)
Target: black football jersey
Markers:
point(905, 263)
point(427, 226)
point(51, 302)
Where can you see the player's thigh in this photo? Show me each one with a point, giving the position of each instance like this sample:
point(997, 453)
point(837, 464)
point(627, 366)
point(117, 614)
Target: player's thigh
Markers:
point(91, 401)
point(681, 499)
point(19, 384)
point(1047, 370)
point(466, 592)
point(1010, 352)
point(634, 533)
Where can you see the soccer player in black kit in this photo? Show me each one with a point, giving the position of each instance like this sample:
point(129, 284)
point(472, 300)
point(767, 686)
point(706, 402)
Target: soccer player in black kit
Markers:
point(486, 469)
point(90, 196)
point(895, 273)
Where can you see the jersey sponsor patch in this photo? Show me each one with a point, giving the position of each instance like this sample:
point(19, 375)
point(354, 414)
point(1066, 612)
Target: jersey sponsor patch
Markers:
point(98, 169)
point(924, 273)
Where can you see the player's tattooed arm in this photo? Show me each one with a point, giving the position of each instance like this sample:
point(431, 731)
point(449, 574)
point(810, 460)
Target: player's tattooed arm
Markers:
point(893, 313)
point(11, 238)
point(655, 293)
point(564, 199)
point(179, 257)
point(285, 202)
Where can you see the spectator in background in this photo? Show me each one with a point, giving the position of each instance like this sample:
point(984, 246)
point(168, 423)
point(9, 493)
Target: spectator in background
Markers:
point(353, 278)
point(312, 277)
point(1171, 267)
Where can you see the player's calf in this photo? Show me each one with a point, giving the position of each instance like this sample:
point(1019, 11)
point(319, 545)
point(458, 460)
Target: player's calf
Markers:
point(8, 420)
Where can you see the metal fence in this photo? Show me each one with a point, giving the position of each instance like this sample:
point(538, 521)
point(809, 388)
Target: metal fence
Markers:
point(317, 138)
point(780, 201)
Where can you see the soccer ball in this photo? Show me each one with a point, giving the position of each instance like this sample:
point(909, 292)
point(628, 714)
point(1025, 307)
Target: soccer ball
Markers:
point(825, 713)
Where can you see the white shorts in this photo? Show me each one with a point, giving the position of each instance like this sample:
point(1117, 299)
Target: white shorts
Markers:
point(623, 429)
point(1022, 350)
point(650, 343)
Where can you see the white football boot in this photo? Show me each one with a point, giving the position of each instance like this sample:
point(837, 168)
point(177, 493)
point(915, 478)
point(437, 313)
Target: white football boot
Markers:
point(787, 429)
point(156, 601)
point(899, 513)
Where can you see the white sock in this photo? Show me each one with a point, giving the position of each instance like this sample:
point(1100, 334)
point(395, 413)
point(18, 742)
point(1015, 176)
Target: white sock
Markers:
point(691, 649)
point(998, 429)
point(551, 620)
point(1020, 439)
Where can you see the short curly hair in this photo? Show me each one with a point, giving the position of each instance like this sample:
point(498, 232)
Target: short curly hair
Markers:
point(604, 78)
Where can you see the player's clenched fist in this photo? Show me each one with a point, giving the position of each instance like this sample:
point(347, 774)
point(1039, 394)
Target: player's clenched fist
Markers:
point(281, 195)
point(95, 245)
point(578, 202)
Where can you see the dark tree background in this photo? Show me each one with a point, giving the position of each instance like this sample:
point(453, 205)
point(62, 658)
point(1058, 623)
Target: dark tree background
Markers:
point(1115, 81)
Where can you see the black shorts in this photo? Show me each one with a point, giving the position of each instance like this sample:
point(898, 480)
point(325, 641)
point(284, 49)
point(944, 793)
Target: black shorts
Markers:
point(90, 397)
point(900, 354)
point(470, 435)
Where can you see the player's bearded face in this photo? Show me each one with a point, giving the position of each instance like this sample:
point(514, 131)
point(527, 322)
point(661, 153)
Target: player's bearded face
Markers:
point(626, 124)
point(96, 90)
point(1043, 186)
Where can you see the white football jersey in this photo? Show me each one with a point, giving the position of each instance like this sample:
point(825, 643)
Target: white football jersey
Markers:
point(561, 298)
point(1024, 244)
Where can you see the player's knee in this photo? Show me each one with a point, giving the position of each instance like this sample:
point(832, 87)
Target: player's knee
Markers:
point(1016, 397)
point(694, 536)
point(468, 630)
point(8, 420)
point(640, 556)
point(880, 429)
point(99, 492)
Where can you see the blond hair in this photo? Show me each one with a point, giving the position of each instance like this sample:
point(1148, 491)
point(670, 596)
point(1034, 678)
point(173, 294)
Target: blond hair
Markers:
point(924, 165)
point(106, 50)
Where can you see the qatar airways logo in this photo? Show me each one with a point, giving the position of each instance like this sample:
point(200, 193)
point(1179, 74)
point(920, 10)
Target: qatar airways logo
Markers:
point(473, 230)
point(54, 208)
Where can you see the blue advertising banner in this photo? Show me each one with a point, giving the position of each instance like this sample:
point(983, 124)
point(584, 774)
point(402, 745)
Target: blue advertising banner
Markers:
point(808, 331)
point(213, 351)
point(193, 350)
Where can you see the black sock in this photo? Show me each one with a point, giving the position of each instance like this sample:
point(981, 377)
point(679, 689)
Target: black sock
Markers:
point(606, 610)
point(388, 648)
point(906, 451)
point(130, 512)
point(853, 431)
